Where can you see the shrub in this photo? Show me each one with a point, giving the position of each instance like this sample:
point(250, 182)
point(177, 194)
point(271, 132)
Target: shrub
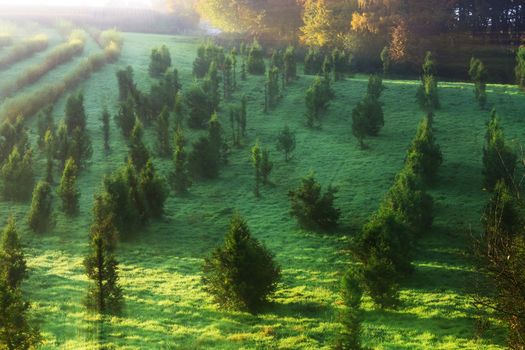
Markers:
point(24, 50)
point(242, 273)
point(40, 216)
point(125, 118)
point(206, 54)
point(162, 94)
point(311, 207)
point(126, 86)
point(368, 116)
point(375, 86)
point(317, 97)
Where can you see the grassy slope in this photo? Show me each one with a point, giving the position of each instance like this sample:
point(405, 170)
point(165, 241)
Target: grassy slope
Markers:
point(160, 269)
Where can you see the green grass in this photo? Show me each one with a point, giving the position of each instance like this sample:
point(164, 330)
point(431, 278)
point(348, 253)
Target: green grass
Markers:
point(166, 307)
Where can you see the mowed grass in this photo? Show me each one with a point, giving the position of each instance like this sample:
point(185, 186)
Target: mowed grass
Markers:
point(160, 267)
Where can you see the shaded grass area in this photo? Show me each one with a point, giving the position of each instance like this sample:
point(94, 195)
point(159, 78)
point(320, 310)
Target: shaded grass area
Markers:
point(166, 307)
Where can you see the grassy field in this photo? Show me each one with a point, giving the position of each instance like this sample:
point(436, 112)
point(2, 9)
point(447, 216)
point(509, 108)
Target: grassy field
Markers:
point(165, 306)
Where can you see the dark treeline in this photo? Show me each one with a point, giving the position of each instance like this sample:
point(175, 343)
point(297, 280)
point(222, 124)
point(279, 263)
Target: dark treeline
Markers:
point(454, 30)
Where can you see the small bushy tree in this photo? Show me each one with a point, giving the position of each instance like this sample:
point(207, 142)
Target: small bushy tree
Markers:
point(160, 61)
point(180, 178)
point(479, 75)
point(286, 142)
point(520, 67)
point(203, 161)
point(350, 316)
point(125, 118)
point(199, 109)
point(499, 161)
point(312, 208)
point(242, 273)
point(317, 97)
point(18, 176)
point(40, 217)
point(154, 190)
point(138, 153)
point(68, 192)
point(256, 162)
point(426, 151)
point(163, 134)
point(255, 64)
point(290, 65)
point(106, 128)
point(13, 266)
point(386, 60)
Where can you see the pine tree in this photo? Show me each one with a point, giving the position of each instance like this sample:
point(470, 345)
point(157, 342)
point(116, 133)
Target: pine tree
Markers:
point(256, 64)
point(233, 55)
point(520, 66)
point(199, 107)
point(266, 166)
point(317, 97)
point(290, 65)
point(75, 113)
point(17, 175)
point(153, 189)
point(160, 61)
point(16, 330)
point(312, 208)
point(203, 161)
point(80, 148)
point(427, 94)
point(286, 142)
point(40, 216)
point(163, 134)
point(68, 192)
point(106, 128)
point(49, 148)
point(45, 122)
point(386, 60)
point(125, 118)
point(256, 162)
point(179, 109)
point(350, 317)
point(138, 153)
point(62, 145)
point(243, 115)
point(104, 294)
point(339, 64)
point(13, 267)
point(210, 86)
point(428, 151)
point(227, 79)
point(216, 137)
point(499, 161)
point(180, 178)
point(242, 273)
point(272, 87)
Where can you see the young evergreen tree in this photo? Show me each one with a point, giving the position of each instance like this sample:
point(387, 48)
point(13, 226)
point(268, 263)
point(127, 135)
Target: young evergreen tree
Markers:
point(256, 65)
point(163, 134)
point(40, 217)
point(153, 189)
point(160, 61)
point(427, 151)
point(68, 191)
point(244, 115)
point(216, 137)
point(125, 118)
point(317, 97)
point(126, 86)
point(266, 166)
point(256, 162)
point(272, 87)
point(62, 145)
point(312, 208)
point(427, 94)
point(18, 176)
point(45, 122)
point(233, 55)
point(339, 64)
point(179, 109)
point(367, 116)
point(11, 135)
point(16, 328)
point(162, 94)
point(199, 108)
point(104, 294)
point(227, 78)
point(13, 266)
point(479, 76)
point(180, 178)
point(242, 273)
point(211, 86)
point(290, 65)
point(499, 161)
point(49, 148)
point(138, 153)
point(80, 148)
point(106, 128)
point(520, 67)
point(386, 60)
point(375, 86)
point(286, 142)
point(235, 122)
point(203, 161)
point(75, 113)
point(350, 316)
